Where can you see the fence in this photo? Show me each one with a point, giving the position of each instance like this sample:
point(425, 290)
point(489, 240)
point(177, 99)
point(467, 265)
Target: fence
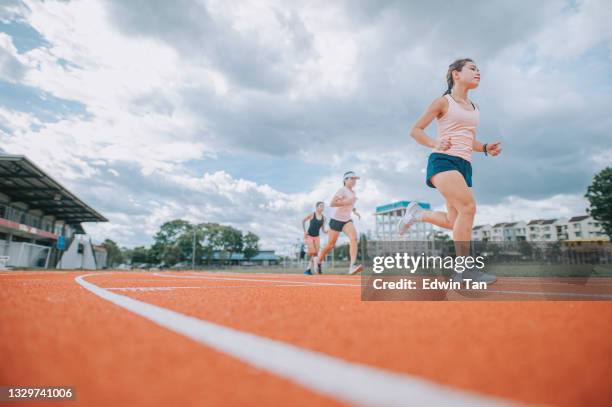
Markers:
point(21, 254)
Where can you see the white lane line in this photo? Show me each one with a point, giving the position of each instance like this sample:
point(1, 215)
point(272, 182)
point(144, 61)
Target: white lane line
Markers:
point(257, 280)
point(347, 381)
point(588, 282)
point(144, 288)
point(576, 295)
point(298, 273)
point(30, 273)
point(560, 280)
point(554, 294)
point(341, 277)
point(209, 287)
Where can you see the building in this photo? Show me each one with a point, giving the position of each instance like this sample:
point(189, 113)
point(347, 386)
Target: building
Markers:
point(482, 233)
point(548, 230)
point(584, 227)
point(387, 217)
point(515, 231)
point(542, 230)
point(497, 232)
point(40, 220)
point(533, 230)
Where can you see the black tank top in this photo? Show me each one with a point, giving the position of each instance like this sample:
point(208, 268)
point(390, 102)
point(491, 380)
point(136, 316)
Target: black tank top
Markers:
point(315, 225)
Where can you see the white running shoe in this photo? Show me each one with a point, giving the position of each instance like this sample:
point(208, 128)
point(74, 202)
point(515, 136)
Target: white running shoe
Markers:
point(354, 269)
point(414, 213)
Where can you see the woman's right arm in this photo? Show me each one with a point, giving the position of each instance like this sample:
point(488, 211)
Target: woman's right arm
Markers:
point(437, 109)
point(339, 199)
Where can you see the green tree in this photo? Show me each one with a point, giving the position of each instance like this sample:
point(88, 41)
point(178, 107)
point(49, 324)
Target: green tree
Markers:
point(212, 240)
point(126, 253)
point(165, 240)
point(599, 194)
point(232, 241)
point(206, 241)
point(140, 255)
point(251, 245)
point(114, 255)
point(171, 255)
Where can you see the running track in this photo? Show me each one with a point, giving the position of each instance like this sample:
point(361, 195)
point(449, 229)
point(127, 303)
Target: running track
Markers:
point(182, 338)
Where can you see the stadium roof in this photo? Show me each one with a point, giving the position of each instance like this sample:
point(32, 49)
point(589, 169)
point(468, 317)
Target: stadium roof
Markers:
point(23, 181)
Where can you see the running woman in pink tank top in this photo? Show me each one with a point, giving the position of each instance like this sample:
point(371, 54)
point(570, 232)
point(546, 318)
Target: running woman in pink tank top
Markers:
point(341, 221)
point(449, 168)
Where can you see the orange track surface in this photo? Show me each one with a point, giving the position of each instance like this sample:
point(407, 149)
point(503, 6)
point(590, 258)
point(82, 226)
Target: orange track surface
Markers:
point(54, 332)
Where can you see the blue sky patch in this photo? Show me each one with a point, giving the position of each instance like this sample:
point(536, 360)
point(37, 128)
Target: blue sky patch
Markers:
point(43, 105)
point(25, 38)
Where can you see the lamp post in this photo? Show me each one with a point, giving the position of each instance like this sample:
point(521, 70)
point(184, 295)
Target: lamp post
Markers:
point(194, 250)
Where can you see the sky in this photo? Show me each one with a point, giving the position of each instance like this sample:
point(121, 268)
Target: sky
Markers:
point(247, 113)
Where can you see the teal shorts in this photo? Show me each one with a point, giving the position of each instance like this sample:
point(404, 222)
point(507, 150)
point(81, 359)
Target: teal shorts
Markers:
point(439, 162)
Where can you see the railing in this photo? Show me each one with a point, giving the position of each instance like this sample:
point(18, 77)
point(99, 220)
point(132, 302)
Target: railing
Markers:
point(19, 216)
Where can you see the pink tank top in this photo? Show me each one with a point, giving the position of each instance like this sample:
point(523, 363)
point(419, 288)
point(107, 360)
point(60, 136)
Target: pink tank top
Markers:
point(458, 124)
point(343, 213)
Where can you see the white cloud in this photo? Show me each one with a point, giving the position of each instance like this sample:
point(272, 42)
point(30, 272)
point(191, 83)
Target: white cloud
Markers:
point(336, 85)
point(603, 157)
point(520, 209)
point(18, 122)
point(573, 33)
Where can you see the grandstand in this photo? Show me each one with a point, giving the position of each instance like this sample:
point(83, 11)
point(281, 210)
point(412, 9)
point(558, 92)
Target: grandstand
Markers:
point(41, 221)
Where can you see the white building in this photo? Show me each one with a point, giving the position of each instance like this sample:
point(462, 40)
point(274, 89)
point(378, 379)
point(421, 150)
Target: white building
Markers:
point(497, 232)
point(584, 227)
point(548, 230)
point(482, 233)
point(515, 231)
point(533, 230)
point(542, 230)
point(388, 216)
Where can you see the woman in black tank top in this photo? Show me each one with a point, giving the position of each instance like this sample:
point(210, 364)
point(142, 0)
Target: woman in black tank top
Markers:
point(315, 225)
point(311, 236)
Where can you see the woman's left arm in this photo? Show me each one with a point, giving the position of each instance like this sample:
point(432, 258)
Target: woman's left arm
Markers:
point(492, 148)
point(477, 146)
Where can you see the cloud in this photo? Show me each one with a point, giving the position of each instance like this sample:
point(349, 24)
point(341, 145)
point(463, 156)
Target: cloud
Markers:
point(247, 113)
point(571, 34)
